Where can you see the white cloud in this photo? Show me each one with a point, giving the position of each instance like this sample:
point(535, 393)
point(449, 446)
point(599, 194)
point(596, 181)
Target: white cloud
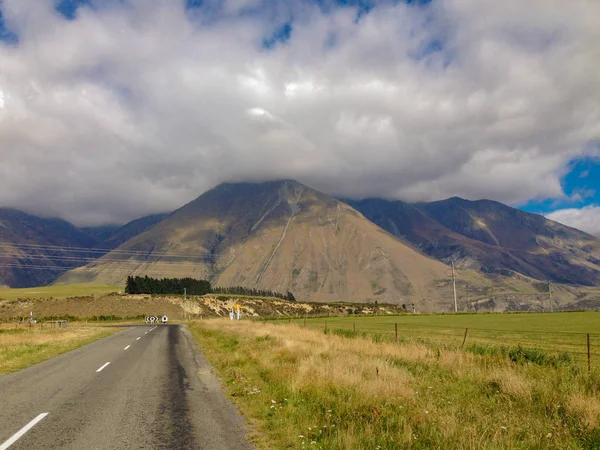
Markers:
point(138, 107)
point(585, 219)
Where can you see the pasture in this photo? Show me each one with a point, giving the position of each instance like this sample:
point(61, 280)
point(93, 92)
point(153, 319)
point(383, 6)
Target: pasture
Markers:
point(58, 291)
point(21, 346)
point(554, 333)
point(300, 387)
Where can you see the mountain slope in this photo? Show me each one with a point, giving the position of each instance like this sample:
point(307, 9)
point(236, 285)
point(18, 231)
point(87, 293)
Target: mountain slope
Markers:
point(130, 230)
point(100, 233)
point(491, 237)
point(277, 235)
point(29, 253)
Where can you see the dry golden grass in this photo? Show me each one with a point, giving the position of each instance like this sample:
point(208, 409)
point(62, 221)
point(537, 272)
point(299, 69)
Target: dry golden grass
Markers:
point(22, 347)
point(302, 388)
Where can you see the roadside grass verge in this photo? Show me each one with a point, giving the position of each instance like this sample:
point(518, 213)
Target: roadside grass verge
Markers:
point(20, 348)
point(302, 388)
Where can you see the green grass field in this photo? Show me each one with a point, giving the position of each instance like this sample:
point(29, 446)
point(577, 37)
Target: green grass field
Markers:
point(303, 388)
point(72, 290)
point(22, 346)
point(554, 333)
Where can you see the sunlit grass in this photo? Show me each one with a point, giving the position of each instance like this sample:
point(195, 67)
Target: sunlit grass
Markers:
point(552, 332)
point(21, 347)
point(62, 291)
point(302, 388)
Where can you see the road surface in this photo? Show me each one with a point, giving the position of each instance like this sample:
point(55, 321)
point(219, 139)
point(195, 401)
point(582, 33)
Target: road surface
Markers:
point(143, 388)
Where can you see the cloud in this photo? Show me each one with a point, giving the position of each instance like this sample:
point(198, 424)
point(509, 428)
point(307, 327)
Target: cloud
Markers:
point(586, 219)
point(138, 106)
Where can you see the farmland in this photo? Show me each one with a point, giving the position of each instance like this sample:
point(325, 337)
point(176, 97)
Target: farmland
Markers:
point(58, 291)
point(554, 333)
point(300, 387)
point(21, 346)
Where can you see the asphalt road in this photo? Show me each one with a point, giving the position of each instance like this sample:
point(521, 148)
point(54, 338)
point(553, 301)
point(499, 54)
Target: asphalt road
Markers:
point(156, 393)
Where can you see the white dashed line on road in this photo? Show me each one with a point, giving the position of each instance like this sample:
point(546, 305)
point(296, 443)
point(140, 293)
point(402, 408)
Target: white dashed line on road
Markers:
point(127, 347)
point(138, 338)
point(103, 366)
point(22, 431)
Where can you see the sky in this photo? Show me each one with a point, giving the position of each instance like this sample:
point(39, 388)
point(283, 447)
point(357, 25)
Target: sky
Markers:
point(113, 109)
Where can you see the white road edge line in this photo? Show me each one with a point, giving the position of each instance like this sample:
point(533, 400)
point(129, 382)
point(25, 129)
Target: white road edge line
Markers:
point(100, 369)
point(22, 431)
point(127, 347)
point(138, 338)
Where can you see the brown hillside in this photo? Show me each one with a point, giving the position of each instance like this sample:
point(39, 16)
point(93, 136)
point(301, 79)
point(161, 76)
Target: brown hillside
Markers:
point(282, 236)
point(34, 251)
point(492, 238)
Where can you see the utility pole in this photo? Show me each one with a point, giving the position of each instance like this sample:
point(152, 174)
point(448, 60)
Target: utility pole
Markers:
point(185, 303)
point(550, 294)
point(454, 287)
point(468, 309)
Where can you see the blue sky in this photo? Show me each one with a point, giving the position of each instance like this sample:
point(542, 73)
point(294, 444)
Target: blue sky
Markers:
point(581, 186)
point(145, 104)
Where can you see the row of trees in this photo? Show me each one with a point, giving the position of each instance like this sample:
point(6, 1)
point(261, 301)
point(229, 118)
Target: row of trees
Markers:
point(148, 285)
point(240, 290)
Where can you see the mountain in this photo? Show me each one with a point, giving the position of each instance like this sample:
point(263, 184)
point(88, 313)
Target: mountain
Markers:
point(35, 251)
point(130, 230)
point(101, 233)
point(491, 237)
point(278, 235)
point(32, 249)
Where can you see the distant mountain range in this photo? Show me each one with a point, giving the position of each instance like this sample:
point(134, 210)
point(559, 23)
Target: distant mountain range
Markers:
point(491, 237)
point(36, 251)
point(282, 235)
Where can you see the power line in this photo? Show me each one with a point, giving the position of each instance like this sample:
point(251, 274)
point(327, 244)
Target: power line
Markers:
point(104, 251)
point(92, 259)
point(61, 269)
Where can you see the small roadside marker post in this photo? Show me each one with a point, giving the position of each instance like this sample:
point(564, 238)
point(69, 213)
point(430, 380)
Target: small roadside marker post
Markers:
point(396, 329)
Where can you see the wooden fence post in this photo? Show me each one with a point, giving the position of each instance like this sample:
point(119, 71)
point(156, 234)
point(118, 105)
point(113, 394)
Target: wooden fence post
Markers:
point(396, 329)
point(354, 327)
point(465, 338)
point(326, 326)
point(588, 349)
point(304, 321)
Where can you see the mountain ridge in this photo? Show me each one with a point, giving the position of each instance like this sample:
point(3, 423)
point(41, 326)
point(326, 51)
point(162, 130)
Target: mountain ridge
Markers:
point(283, 235)
point(494, 237)
point(280, 235)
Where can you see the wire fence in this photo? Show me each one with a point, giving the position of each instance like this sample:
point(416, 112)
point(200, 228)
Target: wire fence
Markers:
point(577, 347)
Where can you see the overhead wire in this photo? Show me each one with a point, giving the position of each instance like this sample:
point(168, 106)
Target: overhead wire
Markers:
point(149, 258)
point(108, 269)
point(101, 250)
